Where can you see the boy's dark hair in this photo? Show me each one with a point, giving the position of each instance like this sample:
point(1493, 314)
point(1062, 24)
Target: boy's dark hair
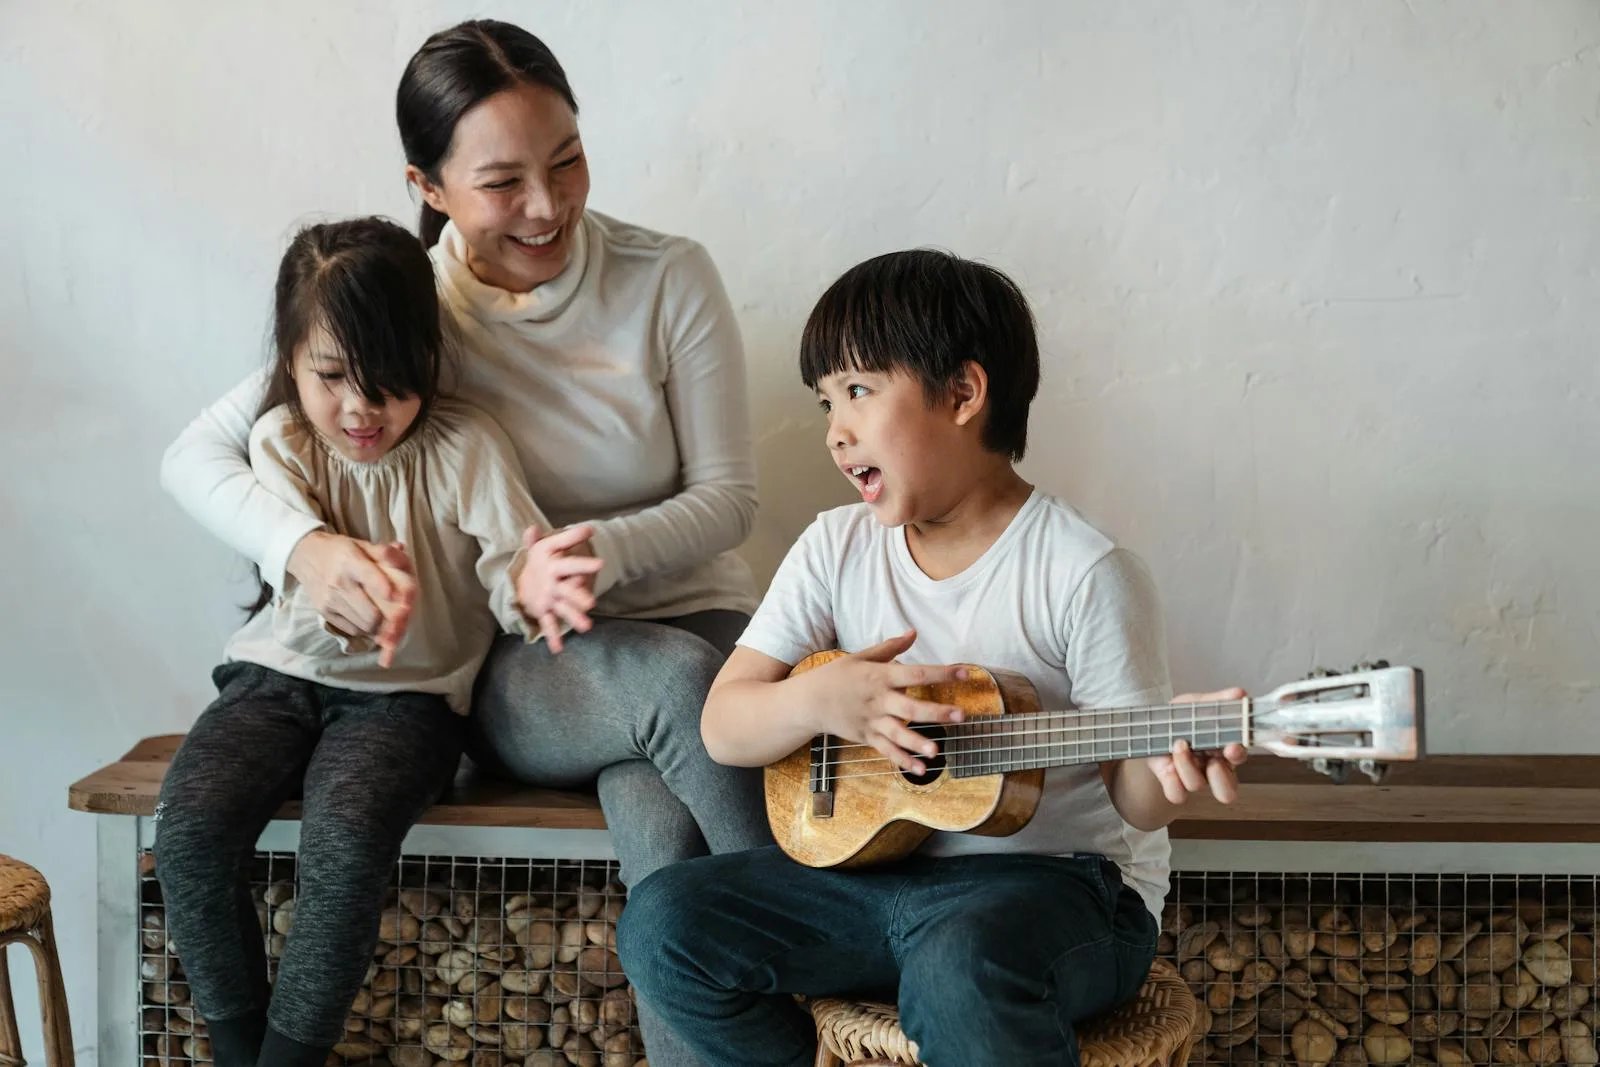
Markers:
point(454, 71)
point(927, 313)
point(369, 283)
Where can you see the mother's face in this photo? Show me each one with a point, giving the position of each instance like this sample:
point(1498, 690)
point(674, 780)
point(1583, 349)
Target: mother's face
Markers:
point(515, 183)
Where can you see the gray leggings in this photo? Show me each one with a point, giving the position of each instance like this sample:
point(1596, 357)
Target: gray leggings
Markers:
point(367, 765)
point(620, 707)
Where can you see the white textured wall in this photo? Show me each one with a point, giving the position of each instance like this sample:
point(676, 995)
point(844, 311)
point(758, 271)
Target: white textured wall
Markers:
point(1318, 287)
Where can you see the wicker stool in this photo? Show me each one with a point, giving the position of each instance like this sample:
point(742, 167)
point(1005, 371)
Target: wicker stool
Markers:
point(25, 917)
point(1155, 1030)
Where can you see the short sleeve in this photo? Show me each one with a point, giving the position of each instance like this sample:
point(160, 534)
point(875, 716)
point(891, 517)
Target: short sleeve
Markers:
point(1115, 639)
point(796, 617)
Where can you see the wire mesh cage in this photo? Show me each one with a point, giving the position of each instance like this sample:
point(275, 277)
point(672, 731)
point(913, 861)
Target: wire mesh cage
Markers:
point(484, 962)
point(1386, 969)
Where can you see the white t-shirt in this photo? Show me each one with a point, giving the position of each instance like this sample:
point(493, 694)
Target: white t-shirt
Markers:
point(1052, 599)
point(621, 385)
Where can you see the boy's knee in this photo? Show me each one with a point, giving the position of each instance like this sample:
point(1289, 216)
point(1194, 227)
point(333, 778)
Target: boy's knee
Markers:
point(656, 923)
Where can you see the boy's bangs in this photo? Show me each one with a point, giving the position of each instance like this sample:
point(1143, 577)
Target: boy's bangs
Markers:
point(846, 332)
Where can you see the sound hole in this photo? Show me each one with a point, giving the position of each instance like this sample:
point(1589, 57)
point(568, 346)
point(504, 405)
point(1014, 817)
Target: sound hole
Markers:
point(935, 766)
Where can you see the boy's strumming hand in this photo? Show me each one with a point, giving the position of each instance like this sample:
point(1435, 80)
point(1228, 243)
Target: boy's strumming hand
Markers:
point(1186, 771)
point(861, 698)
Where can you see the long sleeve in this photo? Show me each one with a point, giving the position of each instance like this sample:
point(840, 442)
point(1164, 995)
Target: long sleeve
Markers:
point(494, 508)
point(207, 471)
point(709, 408)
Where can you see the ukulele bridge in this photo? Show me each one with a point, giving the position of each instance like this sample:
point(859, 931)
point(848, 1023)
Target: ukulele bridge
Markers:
point(822, 775)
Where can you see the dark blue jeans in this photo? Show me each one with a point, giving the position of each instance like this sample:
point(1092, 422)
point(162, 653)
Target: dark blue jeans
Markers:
point(994, 957)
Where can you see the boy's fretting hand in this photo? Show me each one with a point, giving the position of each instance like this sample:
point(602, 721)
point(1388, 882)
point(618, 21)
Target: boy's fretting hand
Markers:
point(1186, 771)
point(557, 580)
point(860, 698)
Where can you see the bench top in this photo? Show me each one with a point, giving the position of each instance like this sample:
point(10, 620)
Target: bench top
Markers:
point(1440, 798)
point(131, 786)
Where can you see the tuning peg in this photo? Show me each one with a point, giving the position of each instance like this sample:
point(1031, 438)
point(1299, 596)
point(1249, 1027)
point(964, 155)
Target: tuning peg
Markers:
point(1336, 769)
point(1369, 665)
point(1373, 769)
point(1321, 672)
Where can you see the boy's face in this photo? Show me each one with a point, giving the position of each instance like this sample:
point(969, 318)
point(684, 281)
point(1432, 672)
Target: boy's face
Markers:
point(892, 443)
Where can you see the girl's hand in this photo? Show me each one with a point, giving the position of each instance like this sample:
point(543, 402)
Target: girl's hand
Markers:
point(861, 698)
point(1186, 771)
point(359, 587)
point(557, 580)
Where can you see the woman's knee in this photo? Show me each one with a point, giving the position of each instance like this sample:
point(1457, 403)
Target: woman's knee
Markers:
point(679, 670)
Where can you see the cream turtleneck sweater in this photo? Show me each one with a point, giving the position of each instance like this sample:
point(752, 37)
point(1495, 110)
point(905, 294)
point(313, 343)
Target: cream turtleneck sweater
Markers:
point(621, 386)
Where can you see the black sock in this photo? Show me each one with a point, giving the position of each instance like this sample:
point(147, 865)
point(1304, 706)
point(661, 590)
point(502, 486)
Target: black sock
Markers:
point(237, 1042)
point(280, 1051)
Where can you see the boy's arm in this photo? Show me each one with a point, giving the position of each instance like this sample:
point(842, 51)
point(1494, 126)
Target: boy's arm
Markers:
point(756, 713)
point(1117, 657)
point(1148, 793)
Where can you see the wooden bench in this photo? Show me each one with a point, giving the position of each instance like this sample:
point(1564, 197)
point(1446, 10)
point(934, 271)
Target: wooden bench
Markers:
point(1441, 798)
point(132, 785)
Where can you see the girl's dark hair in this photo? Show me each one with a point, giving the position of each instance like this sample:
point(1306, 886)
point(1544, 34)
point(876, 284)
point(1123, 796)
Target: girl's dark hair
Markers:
point(927, 313)
point(369, 284)
point(453, 72)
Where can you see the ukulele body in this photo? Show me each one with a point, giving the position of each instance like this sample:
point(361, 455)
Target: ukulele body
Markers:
point(885, 814)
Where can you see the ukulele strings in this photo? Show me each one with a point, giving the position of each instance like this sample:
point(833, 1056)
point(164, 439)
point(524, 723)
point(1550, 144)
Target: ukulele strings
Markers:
point(1149, 731)
point(987, 767)
point(953, 732)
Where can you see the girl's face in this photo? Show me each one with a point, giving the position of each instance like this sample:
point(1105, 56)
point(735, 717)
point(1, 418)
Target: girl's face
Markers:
point(356, 427)
point(514, 182)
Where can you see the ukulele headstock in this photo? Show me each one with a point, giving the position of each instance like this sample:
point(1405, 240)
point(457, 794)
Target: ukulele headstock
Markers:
point(1367, 717)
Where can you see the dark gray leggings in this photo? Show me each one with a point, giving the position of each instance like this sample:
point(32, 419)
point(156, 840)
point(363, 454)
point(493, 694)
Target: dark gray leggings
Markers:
point(368, 765)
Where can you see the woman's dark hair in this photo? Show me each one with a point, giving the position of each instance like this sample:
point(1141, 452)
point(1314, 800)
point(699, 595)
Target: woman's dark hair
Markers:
point(369, 284)
point(927, 313)
point(454, 71)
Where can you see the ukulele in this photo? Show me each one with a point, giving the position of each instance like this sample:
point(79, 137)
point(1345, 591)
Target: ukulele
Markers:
point(834, 803)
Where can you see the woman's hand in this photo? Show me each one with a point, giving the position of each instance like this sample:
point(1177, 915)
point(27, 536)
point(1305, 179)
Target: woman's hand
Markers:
point(359, 587)
point(557, 580)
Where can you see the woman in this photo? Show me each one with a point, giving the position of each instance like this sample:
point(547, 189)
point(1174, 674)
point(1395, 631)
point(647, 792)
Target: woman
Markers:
point(611, 357)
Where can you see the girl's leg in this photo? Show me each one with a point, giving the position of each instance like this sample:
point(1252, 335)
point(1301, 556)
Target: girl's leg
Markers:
point(382, 760)
point(242, 759)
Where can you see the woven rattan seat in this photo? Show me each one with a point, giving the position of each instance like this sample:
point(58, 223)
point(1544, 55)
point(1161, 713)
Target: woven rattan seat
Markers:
point(1154, 1030)
point(24, 896)
point(25, 918)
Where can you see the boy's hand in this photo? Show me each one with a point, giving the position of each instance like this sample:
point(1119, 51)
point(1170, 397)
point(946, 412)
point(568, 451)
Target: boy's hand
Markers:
point(859, 697)
point(557, 580)
point(1186, 771)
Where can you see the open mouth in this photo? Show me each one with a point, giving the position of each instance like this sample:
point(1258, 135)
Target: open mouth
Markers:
point(544, 240)
point(868, 479)
point(364, 438)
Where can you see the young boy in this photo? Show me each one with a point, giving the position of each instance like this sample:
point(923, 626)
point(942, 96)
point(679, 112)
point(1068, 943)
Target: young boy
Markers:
point(925, 366)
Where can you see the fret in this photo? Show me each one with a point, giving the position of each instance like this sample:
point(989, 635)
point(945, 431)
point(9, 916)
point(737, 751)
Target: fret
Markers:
point(1031, 741)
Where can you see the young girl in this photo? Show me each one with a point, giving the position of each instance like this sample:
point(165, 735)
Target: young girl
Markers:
point(355, 433)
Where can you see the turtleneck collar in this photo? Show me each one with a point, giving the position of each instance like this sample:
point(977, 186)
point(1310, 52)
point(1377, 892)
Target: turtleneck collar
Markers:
point(492, 304)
